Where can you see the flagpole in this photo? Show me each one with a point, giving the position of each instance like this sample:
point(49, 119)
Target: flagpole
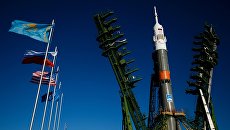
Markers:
point(39, 86)
point(55, 116)
point(47, 96)
point(60, 111)
point(51, 110)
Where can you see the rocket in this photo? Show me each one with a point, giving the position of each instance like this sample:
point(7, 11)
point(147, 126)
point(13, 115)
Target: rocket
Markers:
point(166, 101)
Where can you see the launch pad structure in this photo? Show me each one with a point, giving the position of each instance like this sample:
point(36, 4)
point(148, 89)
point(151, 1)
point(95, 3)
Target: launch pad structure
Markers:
point(162, 112)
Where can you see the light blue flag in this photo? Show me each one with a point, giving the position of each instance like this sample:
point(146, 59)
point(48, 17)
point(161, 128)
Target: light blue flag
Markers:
point(36, 31)
point(57, 95)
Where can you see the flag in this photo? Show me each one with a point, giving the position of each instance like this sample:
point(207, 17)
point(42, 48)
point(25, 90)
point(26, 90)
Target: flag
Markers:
point(45, 81)
point(30, 52)
point(39, 73)
point(45, 78)
point(50, 97)
point(36, 57)
point(57, 95)
point(53, 53)
point(36, 31)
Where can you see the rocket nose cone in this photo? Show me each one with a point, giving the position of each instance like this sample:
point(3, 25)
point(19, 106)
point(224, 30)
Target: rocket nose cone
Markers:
point(156, 26)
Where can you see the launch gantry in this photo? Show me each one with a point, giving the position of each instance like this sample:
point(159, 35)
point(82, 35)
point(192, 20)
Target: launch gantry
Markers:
point(162, 113)
point(112, 47)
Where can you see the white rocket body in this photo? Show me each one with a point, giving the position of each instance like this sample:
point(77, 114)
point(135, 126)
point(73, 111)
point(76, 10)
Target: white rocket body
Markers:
point(159, 37)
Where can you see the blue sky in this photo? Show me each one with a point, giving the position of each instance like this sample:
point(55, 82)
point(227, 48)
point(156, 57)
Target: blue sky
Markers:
point(91, 93)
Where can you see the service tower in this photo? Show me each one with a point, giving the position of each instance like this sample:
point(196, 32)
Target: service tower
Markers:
point(166, 101)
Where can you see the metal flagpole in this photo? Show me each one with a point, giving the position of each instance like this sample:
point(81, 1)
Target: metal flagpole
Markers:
point(60, 111)
point(47, 96)
point(51, 110)
point(39, 86)
point(55, 116)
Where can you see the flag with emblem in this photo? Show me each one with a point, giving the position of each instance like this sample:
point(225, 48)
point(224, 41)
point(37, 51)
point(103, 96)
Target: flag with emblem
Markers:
point(36, 31)
point(50, 97)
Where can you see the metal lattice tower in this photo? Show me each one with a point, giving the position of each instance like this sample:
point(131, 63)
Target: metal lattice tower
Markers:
point(205, 59)
point(162, 112)
point(111, 43)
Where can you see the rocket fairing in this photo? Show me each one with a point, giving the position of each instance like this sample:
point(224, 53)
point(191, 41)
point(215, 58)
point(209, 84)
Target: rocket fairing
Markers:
point(166, 100)
point(159, 37)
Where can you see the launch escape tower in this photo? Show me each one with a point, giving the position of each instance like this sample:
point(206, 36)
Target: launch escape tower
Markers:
point(162, 112)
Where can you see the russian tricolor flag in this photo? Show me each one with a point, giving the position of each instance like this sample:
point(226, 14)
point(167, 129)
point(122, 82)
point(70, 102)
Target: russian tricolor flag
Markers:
point(36, 57)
